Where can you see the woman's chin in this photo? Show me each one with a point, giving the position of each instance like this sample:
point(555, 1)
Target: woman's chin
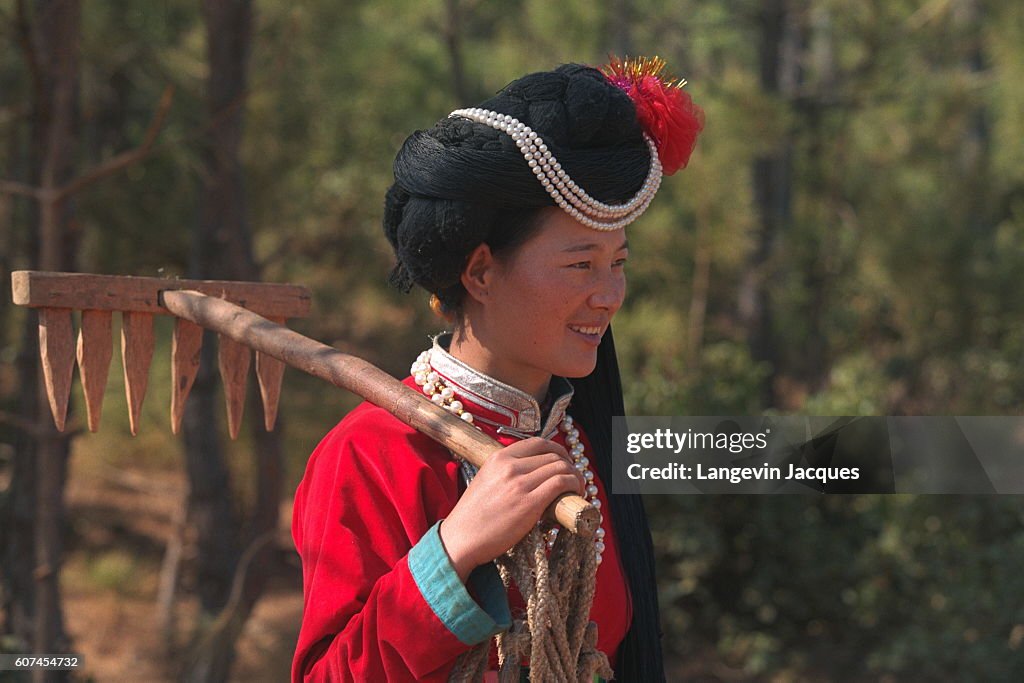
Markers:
point(580, 368)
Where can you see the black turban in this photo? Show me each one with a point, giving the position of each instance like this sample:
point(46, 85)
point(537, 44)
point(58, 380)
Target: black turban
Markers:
point(462, 183)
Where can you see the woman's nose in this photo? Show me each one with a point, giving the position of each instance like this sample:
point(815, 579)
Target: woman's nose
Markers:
point(609, 293)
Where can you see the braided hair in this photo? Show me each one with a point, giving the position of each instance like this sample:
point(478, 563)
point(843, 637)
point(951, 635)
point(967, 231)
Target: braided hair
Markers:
point(461, 184)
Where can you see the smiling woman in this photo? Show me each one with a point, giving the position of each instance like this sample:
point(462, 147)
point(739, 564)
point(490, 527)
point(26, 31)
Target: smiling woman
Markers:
point(513, 216)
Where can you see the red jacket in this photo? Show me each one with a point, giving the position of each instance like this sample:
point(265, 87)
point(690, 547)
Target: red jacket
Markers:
point(381, 601)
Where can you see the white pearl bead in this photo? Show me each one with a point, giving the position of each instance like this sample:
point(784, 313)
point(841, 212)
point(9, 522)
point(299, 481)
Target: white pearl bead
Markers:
point(591, 490)
point(437, 398)
point(588, 475)
point(456, 405)
point(599, 558)
point(447, 392)
point(596, 503)
point(468, 417)
point(599, 533)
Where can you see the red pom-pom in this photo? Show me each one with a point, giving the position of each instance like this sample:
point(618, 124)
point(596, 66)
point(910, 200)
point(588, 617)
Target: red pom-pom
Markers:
point(665, 112)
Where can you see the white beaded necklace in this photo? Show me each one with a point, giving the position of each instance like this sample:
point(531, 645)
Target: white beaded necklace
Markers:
point(439, 392)
point(572, 198)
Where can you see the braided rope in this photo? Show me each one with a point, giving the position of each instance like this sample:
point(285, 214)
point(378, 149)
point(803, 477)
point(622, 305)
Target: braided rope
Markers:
point(557, 636)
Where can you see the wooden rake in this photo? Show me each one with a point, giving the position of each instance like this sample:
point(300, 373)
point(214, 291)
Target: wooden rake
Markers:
point(245, 315)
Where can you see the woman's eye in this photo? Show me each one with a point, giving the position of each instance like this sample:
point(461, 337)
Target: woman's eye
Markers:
point(582, 265)
point(619, 263)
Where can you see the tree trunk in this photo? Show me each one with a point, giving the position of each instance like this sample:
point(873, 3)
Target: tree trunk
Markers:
point(210, 500)
point(772, 179)
point(700, 287)
point(813, 365)
point(33, 550)
point(222, 249)
point(453, 42)
point(59, 24)
point(17, 505)
point(973, 163)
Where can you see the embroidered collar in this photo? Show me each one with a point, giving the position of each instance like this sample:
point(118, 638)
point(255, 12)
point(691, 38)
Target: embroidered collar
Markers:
point(511, 410)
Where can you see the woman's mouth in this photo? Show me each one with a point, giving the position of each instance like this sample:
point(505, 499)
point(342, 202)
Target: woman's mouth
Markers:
point(591, 333)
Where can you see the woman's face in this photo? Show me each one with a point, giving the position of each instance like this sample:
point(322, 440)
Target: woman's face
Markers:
point(542, 310)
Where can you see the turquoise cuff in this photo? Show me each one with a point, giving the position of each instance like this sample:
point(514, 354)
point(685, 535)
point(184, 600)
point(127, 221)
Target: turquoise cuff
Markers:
point(472, 622)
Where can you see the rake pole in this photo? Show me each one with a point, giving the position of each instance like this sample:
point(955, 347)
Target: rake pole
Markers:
point(362, 378)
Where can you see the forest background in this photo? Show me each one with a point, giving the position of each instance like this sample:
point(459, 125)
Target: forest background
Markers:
point(847, 240)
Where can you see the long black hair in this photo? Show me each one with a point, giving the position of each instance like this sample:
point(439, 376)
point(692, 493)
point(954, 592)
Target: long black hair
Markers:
point(461, 184)
point(598, 398)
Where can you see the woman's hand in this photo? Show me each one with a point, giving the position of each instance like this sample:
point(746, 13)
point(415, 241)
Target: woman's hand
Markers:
point(505, 500)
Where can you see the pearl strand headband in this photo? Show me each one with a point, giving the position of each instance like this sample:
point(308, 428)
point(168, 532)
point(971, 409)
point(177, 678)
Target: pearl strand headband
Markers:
point(567, 194)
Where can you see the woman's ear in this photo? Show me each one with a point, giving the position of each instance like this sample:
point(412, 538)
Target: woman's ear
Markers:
point(479, 270)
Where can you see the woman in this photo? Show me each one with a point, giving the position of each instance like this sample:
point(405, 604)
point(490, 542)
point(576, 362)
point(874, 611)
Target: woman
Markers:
point(397, 549)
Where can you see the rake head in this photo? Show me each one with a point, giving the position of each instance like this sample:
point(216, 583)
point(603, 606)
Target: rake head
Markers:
point(56, 295)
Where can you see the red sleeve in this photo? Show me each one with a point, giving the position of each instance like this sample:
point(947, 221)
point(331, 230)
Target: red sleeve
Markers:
point(372, 490)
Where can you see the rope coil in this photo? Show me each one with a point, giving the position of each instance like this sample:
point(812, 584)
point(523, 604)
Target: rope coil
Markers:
point(556, 637)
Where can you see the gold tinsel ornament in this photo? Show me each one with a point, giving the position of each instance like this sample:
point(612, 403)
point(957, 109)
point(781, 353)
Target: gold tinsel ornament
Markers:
point(633, 69)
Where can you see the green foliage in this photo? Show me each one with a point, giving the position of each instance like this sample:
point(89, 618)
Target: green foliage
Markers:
point(857, 587)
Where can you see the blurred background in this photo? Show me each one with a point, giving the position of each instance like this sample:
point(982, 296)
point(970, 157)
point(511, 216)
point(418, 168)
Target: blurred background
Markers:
point(847, 240)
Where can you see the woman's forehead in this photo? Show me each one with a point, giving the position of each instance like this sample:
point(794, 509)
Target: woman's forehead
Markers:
point(562, 232)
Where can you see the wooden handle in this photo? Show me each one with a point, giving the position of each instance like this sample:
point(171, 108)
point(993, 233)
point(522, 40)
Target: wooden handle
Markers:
point(366, 380)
